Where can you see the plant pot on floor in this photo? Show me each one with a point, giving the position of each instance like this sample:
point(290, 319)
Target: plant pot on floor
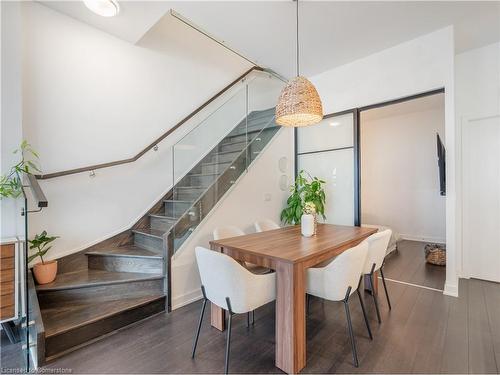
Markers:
point(45, 272)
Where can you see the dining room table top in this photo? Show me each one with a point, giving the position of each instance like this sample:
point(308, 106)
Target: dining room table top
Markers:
point(287, 244)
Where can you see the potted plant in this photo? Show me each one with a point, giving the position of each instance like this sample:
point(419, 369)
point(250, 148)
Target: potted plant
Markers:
point(45, 272)
point(306, 190)
point(11, 183)
point(308, 219)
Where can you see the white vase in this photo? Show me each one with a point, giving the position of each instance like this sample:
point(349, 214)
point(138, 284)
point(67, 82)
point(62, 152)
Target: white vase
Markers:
point(307, 225)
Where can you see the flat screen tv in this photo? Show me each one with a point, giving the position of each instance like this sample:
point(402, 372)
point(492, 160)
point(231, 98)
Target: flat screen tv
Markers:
point(441, 152)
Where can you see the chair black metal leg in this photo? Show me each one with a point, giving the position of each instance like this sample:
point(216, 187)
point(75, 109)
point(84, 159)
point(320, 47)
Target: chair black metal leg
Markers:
point(364, 315)
point(349, 326)
point(228, 344)
point(374, 295)
point(199, 323)
point(253, 317)
point(228, 337)
point(385, 287)
point(248, 319)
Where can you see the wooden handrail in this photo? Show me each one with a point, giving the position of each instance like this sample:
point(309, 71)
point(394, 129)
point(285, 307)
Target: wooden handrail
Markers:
point(156, 141)
point(38, 194)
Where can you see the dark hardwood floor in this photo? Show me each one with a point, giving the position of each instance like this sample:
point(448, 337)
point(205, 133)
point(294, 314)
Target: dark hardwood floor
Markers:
point(408, 265)
point(426, 332)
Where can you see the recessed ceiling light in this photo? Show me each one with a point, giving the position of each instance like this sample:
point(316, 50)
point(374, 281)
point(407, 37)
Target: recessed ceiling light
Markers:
point(105, 8)
point(334, 123)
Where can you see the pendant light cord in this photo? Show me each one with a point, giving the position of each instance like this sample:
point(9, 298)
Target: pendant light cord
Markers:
point(297, 36)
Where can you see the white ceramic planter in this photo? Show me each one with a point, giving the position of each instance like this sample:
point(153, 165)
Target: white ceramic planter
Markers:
point(307, 225)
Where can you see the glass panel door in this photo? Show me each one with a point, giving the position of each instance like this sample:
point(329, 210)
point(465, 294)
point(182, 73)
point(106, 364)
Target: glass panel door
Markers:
point(327, 151)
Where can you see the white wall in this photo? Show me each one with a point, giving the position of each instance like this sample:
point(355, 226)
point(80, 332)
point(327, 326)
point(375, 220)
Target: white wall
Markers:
point(477, 81)
point(11, 110)
point(90, 97)
point(400, 174)
point(419, 65)
point(245, 204)
point(477, 78)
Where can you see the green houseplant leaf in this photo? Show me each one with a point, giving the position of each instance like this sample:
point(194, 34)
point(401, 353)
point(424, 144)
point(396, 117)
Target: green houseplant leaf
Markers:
point(11, 183)
point(40, 244)
point(305, 189)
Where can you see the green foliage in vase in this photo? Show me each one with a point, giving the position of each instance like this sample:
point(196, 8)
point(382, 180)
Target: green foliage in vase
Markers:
point(306, 189)
point(39, 244)
point(309, 208)
point(11, 183)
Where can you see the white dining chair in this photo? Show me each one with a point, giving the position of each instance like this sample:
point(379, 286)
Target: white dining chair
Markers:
point(377, 249)
point(229, 285)
point(232, 231)
point(338, 281)
point(265, 224)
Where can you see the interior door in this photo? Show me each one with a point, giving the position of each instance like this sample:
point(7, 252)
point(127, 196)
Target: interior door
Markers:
point(326, 151)
point(481, 197)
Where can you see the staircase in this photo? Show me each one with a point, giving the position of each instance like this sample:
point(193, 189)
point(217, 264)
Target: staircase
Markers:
point(127, 278)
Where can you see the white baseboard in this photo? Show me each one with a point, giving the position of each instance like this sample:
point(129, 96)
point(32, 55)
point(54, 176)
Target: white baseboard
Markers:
point(186, 299)
point(450, 290)
point(412, 237)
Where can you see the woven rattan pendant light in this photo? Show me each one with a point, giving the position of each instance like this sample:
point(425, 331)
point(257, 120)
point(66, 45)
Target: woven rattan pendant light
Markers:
point(299, 103)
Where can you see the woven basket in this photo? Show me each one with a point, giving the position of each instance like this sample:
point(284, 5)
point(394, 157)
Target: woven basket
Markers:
point(435, 254)
point(299, 104)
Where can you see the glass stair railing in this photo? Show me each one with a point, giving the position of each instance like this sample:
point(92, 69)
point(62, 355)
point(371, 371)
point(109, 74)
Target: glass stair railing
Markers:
point(208, 160)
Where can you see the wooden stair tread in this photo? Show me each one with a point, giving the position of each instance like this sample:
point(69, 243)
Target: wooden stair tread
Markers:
point(202, 174)
point(150, 232)
point(164, 217)
point(231, 142)
point(125, 251)
point(61, 319)
point(91, 277)
point(225, 152)
point(176, 201)
point(215, 163)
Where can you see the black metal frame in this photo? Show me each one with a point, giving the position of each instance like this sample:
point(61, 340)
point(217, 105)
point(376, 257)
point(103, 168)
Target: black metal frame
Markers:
point(373, 293)
point(229, 324)
point(228, 335)
point(371, 278)
point(350, 330)
point(357, 168)
point(195, 344)
point(349, 327)
point(385, 287)
point(345, 301)
point(356, 142)
point(355, 147)
point(403, 99)
point(367, 323)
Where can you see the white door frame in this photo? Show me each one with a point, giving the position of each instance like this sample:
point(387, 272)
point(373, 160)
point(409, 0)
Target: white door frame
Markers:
point(463, 259)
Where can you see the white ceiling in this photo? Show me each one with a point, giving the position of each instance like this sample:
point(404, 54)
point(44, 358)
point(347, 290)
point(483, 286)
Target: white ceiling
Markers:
point(133, 21)
point(426, 103)
point(332, 32)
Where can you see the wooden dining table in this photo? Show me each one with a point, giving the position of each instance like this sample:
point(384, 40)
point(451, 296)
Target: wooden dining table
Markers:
point(289, 253)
